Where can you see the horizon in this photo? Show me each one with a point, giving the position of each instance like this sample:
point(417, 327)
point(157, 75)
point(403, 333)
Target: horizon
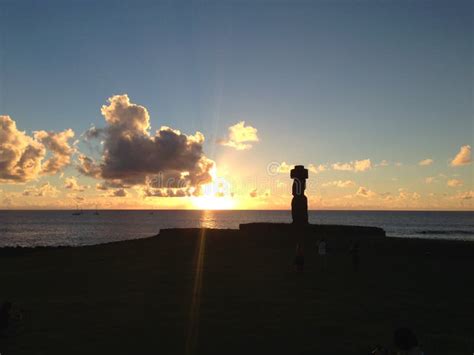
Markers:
point(231, 210)
point(209, 105)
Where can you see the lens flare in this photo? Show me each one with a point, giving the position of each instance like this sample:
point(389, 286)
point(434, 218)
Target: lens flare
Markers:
point(216, 195)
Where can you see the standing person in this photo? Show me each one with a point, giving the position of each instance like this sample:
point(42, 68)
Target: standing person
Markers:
point(299, 258)
point(322, 250)
point(406, 342)
point(354, 251)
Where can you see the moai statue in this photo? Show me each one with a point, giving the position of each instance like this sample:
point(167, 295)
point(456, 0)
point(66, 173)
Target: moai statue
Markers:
point(299, 203)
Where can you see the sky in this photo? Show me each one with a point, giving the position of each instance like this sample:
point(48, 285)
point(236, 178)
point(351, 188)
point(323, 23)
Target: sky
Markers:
point(208, 104)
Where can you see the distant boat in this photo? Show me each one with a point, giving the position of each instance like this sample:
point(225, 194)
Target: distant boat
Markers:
point(78, 212)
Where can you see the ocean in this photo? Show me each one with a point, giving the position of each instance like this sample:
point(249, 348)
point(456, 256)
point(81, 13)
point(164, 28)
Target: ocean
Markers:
point(62, 228)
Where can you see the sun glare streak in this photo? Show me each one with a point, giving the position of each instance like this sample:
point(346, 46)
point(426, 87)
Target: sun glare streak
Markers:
point(193, 325)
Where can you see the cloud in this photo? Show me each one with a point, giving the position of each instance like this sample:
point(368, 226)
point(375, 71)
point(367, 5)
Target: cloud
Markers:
point(170, 192)
point(463, 157)
point(468, 195)
point(240, 136)
point(455, 183)
point(284, 168)
point(404, 194)
point(382, 164)
point(429, 180)
point(58, 145)
point(20, 154)
point(426, 162)
point(357, 165)
point(87, 166)
point(316, 169)
point(119, 193)
point(71, 183)
point(132, 156)
point(101, 187)
point(364, 192)
point(343, 166)
point(362, 165)
point(339, 183)
point(43, 190)
point(92, 133)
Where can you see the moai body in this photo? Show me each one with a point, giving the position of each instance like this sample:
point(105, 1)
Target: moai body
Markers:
point(299, 203)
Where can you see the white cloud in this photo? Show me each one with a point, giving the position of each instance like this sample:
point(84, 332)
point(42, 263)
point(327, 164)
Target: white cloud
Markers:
point(58, 145)
point(240, 137)
point(467, 195)
point(364, 192)
point(284, 168)
point(44, 190)
point(316, 169)
point(463, 157)
point(404, 194)
point(343, 166)
point(71, 183)
point(429, 180)
point(357, 165)
point(455, 183)
point(426, 162)
point(21, 156)
point(339, 183)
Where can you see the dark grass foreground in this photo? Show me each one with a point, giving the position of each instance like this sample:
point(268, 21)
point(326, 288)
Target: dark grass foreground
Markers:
point(234, 292)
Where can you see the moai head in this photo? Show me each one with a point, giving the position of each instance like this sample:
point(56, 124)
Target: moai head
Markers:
point(299, 175)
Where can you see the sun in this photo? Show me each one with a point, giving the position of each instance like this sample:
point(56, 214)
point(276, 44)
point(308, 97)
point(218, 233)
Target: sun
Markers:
point(213, 203)
point(216, 195)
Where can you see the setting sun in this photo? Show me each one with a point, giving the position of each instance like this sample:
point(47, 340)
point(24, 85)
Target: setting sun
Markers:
point(216, 195)
point(213, 203)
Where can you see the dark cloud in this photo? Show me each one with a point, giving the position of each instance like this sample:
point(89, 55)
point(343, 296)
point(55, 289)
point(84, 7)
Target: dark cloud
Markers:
point(133, 156)
point(88, 167)
point(92, 133)
point(119, 193)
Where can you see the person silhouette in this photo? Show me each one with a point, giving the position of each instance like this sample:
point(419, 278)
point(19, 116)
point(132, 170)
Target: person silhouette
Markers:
point(406, 342)
point(322, 251)
point(299, 258)
point(354, 251)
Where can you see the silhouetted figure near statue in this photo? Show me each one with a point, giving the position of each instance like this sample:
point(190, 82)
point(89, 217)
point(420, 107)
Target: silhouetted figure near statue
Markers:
point(299, 203)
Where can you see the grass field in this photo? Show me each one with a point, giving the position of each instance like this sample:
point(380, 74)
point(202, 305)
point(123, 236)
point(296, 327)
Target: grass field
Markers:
point(228, 292)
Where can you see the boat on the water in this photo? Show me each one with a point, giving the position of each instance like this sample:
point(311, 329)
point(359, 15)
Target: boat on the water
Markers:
point(77, 212)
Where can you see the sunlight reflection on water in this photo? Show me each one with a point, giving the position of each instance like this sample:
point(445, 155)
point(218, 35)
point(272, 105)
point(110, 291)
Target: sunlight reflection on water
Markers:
point(208, 219)
point(53, 228)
